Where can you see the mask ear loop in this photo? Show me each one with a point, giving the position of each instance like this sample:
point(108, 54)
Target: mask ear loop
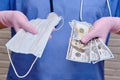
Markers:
point(56, 29)
point(16, 70)
point(52, 10)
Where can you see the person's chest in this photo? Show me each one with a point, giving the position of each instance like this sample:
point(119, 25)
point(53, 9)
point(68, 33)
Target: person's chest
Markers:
point(69, 9)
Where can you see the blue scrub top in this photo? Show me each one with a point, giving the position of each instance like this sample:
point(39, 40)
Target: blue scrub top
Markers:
point(53, 64)
point(4, 5)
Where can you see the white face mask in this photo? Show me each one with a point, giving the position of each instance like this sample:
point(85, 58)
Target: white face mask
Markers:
point(27, 43)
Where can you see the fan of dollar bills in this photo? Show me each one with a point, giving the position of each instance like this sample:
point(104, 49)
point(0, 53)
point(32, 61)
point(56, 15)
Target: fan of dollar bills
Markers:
point(92, 52)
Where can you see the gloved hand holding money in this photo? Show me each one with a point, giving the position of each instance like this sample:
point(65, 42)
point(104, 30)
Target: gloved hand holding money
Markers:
point(92, 52)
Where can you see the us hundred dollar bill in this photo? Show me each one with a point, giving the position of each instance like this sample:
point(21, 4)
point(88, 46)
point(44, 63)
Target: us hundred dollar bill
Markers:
point(104, 51)
point(94, 54)
point(78, 51)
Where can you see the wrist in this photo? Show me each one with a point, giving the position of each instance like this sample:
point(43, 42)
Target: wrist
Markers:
point(1, 26)
point(115, 24)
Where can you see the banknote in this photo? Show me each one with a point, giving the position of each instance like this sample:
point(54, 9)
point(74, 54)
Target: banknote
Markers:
point(79, 54)
point(78, 51)
point(92, 52)
point(79, 29)
point(104, 51)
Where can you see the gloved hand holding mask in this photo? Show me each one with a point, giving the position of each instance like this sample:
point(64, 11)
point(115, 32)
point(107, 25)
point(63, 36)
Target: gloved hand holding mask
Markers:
point(27, 43)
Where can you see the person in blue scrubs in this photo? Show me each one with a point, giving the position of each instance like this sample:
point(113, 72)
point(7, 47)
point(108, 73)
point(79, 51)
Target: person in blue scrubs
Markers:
point(53, 64)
